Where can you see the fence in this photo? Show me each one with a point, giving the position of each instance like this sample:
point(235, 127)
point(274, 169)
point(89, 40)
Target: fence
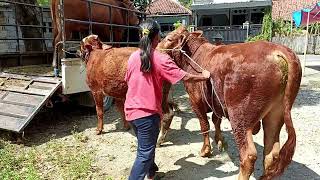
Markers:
point(297, 43)
point(231, 34)
point(13, 40)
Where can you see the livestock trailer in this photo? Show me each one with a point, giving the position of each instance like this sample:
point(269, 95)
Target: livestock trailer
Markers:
point(23, 94)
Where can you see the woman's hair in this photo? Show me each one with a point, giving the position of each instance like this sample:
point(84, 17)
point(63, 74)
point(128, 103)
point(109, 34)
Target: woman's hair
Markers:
point(149, 29)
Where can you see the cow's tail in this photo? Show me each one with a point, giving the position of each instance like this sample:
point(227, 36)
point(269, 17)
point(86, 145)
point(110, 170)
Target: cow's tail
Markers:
point(290, 92)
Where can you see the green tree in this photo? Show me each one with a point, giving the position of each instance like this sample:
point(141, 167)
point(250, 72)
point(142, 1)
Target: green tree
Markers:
point(44, 2)
point(141, 5)
point(186, 3)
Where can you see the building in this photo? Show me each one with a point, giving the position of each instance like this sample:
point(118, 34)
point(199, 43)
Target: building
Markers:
point(228, 18)
point(168, 12)
point(283, 9)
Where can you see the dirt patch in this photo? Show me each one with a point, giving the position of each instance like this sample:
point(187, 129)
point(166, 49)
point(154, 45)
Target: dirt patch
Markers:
point(32, 70)
point(15, 83)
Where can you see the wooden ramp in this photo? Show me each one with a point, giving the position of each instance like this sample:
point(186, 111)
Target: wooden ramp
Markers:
point(22, 97)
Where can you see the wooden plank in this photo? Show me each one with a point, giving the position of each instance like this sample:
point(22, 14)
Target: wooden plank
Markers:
point(10, 123)
point(38, 91)
point(3, 94)
point(30, 82)
point(52, 80)
point(23, 91)
point(13, 115)
point(14, 76)
point(15, 109)
point(23, 98)
point(17, 103)
point(48, 80)
point(37, 109)
point(18, 106)
point(39, 87)
point(44, 84)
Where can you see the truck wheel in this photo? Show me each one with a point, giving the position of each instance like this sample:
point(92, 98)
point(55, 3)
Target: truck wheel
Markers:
point(107, 103)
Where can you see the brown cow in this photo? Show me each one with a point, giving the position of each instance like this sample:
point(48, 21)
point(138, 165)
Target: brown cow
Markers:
point(78, 9)
point(253, 81)
point(106, 68)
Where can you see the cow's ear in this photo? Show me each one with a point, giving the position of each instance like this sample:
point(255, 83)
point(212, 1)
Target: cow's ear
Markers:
point(96, 42)
point(197, 33)
point(182, 39)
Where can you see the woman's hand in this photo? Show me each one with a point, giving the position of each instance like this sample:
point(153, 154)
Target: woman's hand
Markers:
point(206, 74)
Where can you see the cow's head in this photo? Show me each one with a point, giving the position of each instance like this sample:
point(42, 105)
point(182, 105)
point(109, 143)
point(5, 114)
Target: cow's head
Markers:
point(88, 44)
point(180, 38)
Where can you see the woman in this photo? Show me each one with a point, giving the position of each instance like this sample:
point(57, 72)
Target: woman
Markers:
point(147, 68)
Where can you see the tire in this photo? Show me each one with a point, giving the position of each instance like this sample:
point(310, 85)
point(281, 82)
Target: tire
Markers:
point(107, 103)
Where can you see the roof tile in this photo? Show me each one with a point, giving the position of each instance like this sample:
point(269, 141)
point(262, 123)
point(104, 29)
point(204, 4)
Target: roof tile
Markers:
point(166, 7)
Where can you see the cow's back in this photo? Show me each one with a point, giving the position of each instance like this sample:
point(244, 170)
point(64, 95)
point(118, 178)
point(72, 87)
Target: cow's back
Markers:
point(106, 70)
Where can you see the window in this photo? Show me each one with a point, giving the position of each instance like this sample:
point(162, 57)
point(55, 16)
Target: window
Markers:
point(220, 20)
point(257, 18)
point(166, 27)
point(207, 21)
point(238, 19)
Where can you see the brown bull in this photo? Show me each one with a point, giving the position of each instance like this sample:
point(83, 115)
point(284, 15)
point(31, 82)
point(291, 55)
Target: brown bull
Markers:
point(254, 82)
point(78, 10)
point(106, 68)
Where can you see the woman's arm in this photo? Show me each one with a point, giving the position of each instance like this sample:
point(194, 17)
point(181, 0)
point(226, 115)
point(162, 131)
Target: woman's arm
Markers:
point(195, 78)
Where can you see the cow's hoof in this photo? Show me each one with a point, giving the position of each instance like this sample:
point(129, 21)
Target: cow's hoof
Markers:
point(160, 141)
point(126, 128)
point(99, 131)
point(206, 151)
point(222, 146)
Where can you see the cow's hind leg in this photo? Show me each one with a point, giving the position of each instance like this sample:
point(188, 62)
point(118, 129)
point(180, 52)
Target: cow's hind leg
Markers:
point(272, 124)
point(218, 137)
point(98, 98)
point(248, 152)
point(120, 107)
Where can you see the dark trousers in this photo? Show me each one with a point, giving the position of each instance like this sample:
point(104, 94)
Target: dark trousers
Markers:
point(147, 131)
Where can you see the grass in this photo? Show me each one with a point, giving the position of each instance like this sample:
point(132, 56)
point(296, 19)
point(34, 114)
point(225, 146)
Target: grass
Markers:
point(16, 163)
point(54, 160)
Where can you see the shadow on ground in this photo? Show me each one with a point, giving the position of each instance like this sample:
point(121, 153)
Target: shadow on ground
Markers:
point(296, 170)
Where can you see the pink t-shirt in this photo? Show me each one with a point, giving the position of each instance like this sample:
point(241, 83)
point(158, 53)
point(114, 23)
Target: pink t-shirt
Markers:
point(144, 95)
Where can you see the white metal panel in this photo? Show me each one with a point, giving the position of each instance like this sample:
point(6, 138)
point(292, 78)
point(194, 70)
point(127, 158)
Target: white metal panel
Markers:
point(73, 76)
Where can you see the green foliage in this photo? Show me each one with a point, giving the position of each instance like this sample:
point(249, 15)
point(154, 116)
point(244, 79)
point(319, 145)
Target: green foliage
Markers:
point(266, 32)
point(283, 28)
point(43, 2)
point(65, 161)
point(314, 28)
point(141, 5)
point(186, 3)
point(177, 24)
point(16, 164)
point(71, 161)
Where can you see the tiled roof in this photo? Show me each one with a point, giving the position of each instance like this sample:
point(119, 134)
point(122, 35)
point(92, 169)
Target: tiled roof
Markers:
point(283, 9)
point(166, 7)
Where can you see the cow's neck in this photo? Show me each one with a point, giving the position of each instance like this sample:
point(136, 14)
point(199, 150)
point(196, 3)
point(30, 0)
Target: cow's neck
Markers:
point(191, 47)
